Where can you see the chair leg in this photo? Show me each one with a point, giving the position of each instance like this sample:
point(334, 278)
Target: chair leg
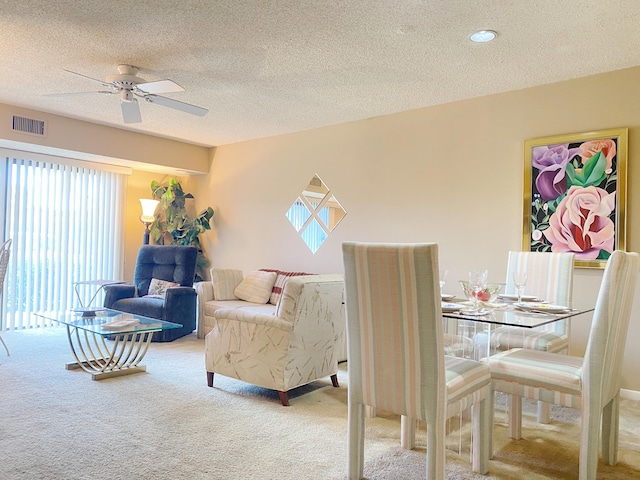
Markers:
point(436, 435)
point(515, 416)
point(544, 412)
point(482, 422)
point(210, 379)
point(492, 407)
point(284, 398)
point(589, 437)
point(334, 380)
point(407, 432)
point(371, 411)
point(5, 346)
point(610, 431)
point(355, 438)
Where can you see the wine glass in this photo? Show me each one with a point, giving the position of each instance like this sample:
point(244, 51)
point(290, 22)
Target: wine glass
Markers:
point(477, 283)
point(520, 281)
point(443, 277)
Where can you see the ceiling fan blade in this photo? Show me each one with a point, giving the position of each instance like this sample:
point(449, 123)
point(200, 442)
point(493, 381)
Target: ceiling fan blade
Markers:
point(130, 111)
point(90, 78)
point(77, 93)
point(175, 104)
point(161, 86)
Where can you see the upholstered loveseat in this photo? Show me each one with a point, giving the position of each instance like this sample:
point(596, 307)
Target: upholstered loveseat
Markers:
point(219, 292)
point(298, 340)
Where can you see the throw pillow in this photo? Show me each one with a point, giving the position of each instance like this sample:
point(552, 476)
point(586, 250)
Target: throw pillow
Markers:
point(278, 286)
point(158, 288)
point(256, 287)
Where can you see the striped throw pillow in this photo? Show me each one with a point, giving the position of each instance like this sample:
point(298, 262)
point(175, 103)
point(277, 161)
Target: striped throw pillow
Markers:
point(281, 279)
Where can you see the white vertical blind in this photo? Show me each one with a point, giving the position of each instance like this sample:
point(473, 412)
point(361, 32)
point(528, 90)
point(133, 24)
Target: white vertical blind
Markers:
point(66, 222)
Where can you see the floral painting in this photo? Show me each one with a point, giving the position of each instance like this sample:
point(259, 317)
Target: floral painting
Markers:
point(575, 194)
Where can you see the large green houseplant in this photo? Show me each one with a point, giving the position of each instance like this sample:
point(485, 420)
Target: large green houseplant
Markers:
point(173, 226)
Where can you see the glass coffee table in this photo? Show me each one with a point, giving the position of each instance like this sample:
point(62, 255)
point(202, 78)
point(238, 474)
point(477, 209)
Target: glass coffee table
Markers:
point(107, 343)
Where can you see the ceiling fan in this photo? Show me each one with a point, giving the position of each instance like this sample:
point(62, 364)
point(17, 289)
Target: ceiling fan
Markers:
point(128, 86)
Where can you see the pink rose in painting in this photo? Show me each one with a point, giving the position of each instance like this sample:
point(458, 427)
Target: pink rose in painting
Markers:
point(607, 147)
point(581, 223)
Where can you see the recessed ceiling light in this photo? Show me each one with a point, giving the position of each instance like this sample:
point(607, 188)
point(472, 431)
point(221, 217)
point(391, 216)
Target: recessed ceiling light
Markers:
point(483, 36)
point(406, 29)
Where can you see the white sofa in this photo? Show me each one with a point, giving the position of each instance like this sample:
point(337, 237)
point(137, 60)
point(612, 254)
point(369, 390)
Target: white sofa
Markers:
point(280, 347)
point(219, 293)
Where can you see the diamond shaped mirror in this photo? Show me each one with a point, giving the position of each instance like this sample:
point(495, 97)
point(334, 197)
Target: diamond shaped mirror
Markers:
point(315, 213)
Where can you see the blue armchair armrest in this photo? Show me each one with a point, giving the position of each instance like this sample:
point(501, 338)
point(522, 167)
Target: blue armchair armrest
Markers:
point(180, 303)
point(118, 292)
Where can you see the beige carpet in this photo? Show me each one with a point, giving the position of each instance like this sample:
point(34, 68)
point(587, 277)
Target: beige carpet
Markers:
point(167, 424)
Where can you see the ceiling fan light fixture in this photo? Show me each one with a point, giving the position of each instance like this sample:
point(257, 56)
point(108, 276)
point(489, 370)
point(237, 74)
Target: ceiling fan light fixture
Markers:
point(130, 88)
point(483, 36)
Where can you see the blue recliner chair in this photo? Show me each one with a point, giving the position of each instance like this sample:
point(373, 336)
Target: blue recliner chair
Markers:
point(171, 263)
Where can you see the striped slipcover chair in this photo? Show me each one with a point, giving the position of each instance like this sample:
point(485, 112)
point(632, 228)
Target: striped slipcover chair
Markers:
point(550, 279)
point(591, 383)
point(396, 353)
point(5, 252)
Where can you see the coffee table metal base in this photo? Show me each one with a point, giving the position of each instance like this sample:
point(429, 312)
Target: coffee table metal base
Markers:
point(101, 359)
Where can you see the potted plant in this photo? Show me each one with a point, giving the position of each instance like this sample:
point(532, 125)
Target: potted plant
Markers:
point(173, 226)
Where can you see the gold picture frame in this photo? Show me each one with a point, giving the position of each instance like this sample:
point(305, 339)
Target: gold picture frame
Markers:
point(575, 194)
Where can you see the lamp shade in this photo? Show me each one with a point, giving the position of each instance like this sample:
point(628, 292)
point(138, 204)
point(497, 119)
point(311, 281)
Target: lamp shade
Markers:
point(148, 210)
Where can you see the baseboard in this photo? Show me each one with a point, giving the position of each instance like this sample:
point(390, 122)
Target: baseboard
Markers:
point(629, 394)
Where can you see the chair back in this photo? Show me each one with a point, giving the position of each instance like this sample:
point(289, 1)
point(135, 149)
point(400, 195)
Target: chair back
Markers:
point(608, 335)
point(5, 252)
point(172, 263)
point(394, 327)
point(549, 277)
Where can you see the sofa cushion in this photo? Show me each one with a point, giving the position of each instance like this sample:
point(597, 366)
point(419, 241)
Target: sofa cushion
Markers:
point(225, 281)
point(210, 307)
point(281, 279)
point(256, 287)
point(145, 306)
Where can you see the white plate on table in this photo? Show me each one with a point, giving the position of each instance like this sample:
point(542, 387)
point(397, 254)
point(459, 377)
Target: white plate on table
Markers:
point(447, 296)
point(451, 307)
point(514, 298)
point(541, 307)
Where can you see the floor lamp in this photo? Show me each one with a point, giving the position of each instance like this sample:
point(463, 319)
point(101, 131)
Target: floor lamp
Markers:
point(148, 216)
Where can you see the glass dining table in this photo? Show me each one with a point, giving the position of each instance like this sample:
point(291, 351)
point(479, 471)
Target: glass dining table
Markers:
point(469, 334)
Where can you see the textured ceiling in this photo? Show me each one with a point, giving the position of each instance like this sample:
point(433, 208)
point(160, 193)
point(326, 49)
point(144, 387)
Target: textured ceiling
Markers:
point(265, 68)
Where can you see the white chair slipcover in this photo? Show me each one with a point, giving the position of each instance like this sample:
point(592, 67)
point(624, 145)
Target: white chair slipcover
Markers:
point(550, 278)
point(591, 383)
point(396, 353)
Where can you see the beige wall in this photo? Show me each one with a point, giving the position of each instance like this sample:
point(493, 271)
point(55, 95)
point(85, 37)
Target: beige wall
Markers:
point(451, 174)
point(93, 142)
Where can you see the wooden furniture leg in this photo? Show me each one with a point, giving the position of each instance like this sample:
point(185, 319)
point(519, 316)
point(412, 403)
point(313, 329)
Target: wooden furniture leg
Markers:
point(284, 398)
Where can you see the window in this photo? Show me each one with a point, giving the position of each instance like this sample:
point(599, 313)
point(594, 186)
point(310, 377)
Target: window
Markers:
point(65, 220)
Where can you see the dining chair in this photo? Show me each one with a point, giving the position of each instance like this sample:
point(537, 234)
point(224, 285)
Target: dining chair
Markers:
point(5, 251)
point(549, 278)
point(396, 354)
point(590, 383)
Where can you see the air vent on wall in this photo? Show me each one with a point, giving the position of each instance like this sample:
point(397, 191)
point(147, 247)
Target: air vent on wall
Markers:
point(28, 125)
